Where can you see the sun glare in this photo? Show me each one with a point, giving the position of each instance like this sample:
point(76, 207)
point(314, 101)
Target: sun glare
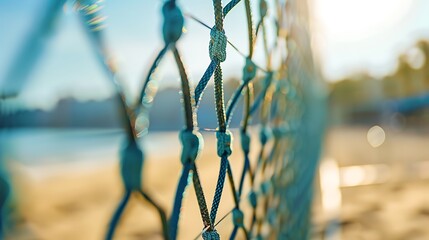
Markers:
point(356, 19)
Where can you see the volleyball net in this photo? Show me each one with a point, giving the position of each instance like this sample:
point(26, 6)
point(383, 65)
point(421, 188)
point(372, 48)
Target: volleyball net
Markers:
point(283, 99)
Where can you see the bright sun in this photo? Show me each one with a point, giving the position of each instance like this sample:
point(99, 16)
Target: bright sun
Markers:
point(355, 19)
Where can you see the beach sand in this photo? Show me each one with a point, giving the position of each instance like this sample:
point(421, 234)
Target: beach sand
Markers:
point(75, 199)
point(395, 208)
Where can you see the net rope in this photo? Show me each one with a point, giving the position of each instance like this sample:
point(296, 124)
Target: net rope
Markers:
point(281, 179)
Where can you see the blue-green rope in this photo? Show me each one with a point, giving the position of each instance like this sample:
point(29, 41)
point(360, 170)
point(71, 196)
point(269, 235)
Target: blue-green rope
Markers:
point(285, 119)
point(201, 199)
point(217, 51)
point(216, 36)
point(245, 143)
point(132, 157)
point(191, 139)
point(152, 69)
point(233, 102)
point(117, 215)
point(172, 31)
point(228, 7)
point(160, 211)
point(219, 188)
point(261, 96)
point(4, 193)
point(202, 84)
point(180, 191)
point(237, 214)
point(249, 73)
point(33, 47)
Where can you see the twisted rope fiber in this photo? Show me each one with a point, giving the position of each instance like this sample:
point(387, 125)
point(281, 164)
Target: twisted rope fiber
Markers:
point(217, 46)
point(219, 100)
point(300, 180)
point(229, 7)
point(224, 143)
point(181, 187)
point(271, 155)
point(282, 120)
point(237, 214)
point(192, 145)
point(217, 50)
point(219, 188)
point(232, 103)
point(201, 199)
point(132, 158)
point(264, 133)
point(217, 223)
point(202, 84)
point(223, 150)
point(152, 70)
point(170, 35)
point(249, 73)
point(171, 32)
point(267, 83)
point(188, 104)
point(191, 139)
point(223, 138)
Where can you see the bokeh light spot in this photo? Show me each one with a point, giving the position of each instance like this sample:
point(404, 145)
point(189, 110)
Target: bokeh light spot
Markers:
point(376, 136)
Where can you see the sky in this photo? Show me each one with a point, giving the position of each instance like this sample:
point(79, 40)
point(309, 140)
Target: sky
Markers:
point(365, 35)
point(68, 66)
point(348, 36)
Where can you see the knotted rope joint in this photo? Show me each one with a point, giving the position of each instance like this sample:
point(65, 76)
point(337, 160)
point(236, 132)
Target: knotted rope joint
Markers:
point(217, 46)
point(173, 23)
point(265, 135)
point(263, 8)
point(192, 142)
point(224, 143)
point(131, 165)
point(253, 199)
point(238, 217)
point(211, 235)
point(249, 70)
point(278, 132)
point(266, 187)
point(245, 142)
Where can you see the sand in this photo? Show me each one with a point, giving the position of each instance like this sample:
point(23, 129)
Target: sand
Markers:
point(75, 199)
